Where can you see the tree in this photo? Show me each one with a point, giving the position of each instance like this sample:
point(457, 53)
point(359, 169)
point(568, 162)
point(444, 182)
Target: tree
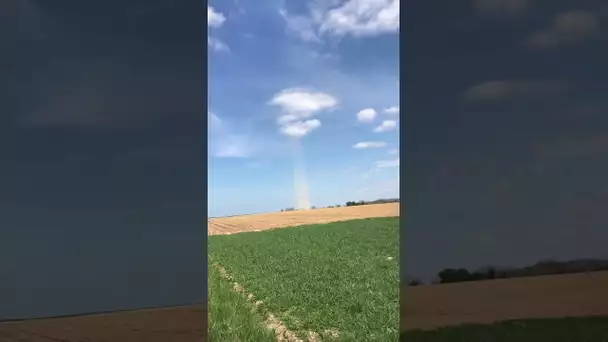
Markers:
point(450, 275)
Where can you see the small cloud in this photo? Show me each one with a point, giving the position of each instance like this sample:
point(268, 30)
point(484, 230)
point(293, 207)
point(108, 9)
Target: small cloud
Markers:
point(217, 44)
point(224, 143)
point(392, 110)
point(213, 121)
point(214, 19)
point(366, 115)
point(301, 102)
point(301, 26)
point(508, 90)
point(369, 144)
point(386, 125)
point(297, 106)
point(387, 163)
point(567, 28)
point(298, 129)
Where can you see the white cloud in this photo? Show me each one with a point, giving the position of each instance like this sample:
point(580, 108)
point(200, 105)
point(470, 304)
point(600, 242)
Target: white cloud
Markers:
point(301, 26)
point(214, 19)
point(366, 115)
point(386, 125)
point(387, 163)
point(298, 129)
point(217, 44)
point(369, 144)
point(358, 18)
point(567, 28)
point(392, 110)
point(224, 143)
point(362, 18)
point(297, 105)
point(213, 121)
point(301, 102)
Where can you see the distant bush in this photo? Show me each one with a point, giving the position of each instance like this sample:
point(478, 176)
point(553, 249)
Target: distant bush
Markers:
point(545, 267)
point(415, 282)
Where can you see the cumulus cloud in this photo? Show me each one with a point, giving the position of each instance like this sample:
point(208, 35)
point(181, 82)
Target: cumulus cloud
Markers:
point(507, 90)
point(298, 129)
point(358, 18)
point(500, 6)
point(215, 20)
point(567, 28)
point(386, 125)
point(392, 110)
point(366, 115)
point(369, 144)
point(297, 106)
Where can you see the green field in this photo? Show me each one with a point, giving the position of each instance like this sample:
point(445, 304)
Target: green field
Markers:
point(230, 314)
point(339, 279)
point(583, 329)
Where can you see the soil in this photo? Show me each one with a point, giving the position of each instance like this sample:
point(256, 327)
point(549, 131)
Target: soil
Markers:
point(178, 324)
point(257, 222)
point(432, 306)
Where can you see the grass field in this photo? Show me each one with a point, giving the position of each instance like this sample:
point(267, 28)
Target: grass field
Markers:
point(338, 280)
point(574, 329)
point(230, 316)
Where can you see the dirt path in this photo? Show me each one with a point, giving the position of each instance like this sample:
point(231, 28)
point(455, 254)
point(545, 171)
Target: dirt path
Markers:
point(430, 306)
point(179, 324)
point(256, 222)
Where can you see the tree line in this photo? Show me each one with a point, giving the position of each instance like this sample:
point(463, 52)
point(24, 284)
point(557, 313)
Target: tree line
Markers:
point(545, 267)
point(353, 203)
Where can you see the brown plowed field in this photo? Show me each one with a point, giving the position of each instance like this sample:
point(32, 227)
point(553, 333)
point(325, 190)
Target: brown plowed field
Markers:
point(256, 222)
point(431, 306)
point(179, 324)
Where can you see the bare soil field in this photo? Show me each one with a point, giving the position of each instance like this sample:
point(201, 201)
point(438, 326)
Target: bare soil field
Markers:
point(257, 222)
point(432, 306)
point(179, 324)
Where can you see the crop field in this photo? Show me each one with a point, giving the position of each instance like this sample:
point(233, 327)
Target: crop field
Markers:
point(571, 329)
point(257, 222)
point(518, 309)
point(336, 281)
point(179, 324)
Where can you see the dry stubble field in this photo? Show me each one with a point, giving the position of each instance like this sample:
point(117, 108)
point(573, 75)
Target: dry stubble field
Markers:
point(257, 222)
point(571, 295)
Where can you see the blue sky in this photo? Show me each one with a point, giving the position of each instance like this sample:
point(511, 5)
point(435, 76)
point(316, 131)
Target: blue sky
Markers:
point(325, 73)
